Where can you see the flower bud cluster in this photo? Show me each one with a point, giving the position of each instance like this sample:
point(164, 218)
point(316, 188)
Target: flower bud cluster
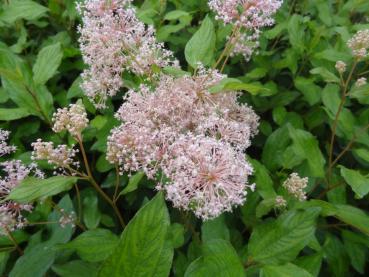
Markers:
point(73, 119)
point(341, 67)
point(249, 17)
point(280, 202)
point(61, 157)
point(4, 147)
point(359, 44)
point(361, 82)
point(12, 213)
point(295, 186)
point(112, 41)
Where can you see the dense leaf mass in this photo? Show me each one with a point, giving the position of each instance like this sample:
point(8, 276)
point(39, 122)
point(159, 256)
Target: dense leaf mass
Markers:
point(184, 138)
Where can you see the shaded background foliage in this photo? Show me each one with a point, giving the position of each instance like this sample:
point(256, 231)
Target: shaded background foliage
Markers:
point(295, 90)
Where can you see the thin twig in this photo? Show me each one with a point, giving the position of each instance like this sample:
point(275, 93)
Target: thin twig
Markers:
point(96, 186)
point(11, 237)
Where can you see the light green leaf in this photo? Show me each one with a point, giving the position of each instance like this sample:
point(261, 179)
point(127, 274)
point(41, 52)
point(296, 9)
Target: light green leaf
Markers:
point(263, 180)
point(356, 250)
point(76, 269)
point(275, 146)
point(358, 182)
point(306, 146)
point(39, 257)
point(22, 9)
point(311, 263)
point(143, 242)
point(32, 189)
point(215, 229)
point(282, 240)
point(287, 270)
point(13, 114)
point(91, 212)
point(176, 235)
point(218, 259)
point(200, 48)
point(325, 74)
point(133, 183)
point(47, 63)
point(93, 245)
point(296, 32)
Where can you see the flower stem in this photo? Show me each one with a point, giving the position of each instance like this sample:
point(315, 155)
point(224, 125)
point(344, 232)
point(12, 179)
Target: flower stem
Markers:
point(11, 237)
point(336, 119)
point(96, 186)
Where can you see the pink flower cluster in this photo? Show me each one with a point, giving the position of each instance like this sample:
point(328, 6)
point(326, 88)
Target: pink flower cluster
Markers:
point(195, 137)
point(114, 40)
point(12, 173)
point(4, 147)
point(249, 17)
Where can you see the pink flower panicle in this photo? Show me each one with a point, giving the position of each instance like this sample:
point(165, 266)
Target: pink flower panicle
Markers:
point(359, 44)
point(4, 147)
point(114, 40)
point(11, 213)
point(205, 176)
point(295, 185)
point(73, 119)
point(177, 113)
point(61, 157)
point(249, 16)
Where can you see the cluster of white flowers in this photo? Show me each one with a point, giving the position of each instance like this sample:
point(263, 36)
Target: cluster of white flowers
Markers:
point(12, 173)
point(361, 82)
point(359, 44)
point(4, 147)
point(341, 67)
point(195, 137)
point(73, 119)
point(280, 202)
point(295, 186)
point(250, 16)
point(61, 157)
point(114, 40)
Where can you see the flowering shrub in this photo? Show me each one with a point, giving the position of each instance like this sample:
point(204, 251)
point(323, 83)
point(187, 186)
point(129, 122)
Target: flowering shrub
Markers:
point(184, 138)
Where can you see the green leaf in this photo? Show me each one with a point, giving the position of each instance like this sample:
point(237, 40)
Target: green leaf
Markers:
point(22, 9)
point(39, 257)
point(325, 74)
point(76, 269)
point(218, 259)
point(296, 32)
point(215, 229)
point(354, 217)
point(311, 263)
point(275, 146)
point(358, 182)
point(336, 256)
point(143, 242)
point(307, 146)
point(282, 240)
point(346, 213)
point(93, 245)
point(263, 181)
point(133, 183)
point(13, 114)
point(287, 270)
point(200, 48)
point(91, 212)
point(176, 235)
point(309, 89)
point(356, 250)
point(32, 189)
point(47, 63)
